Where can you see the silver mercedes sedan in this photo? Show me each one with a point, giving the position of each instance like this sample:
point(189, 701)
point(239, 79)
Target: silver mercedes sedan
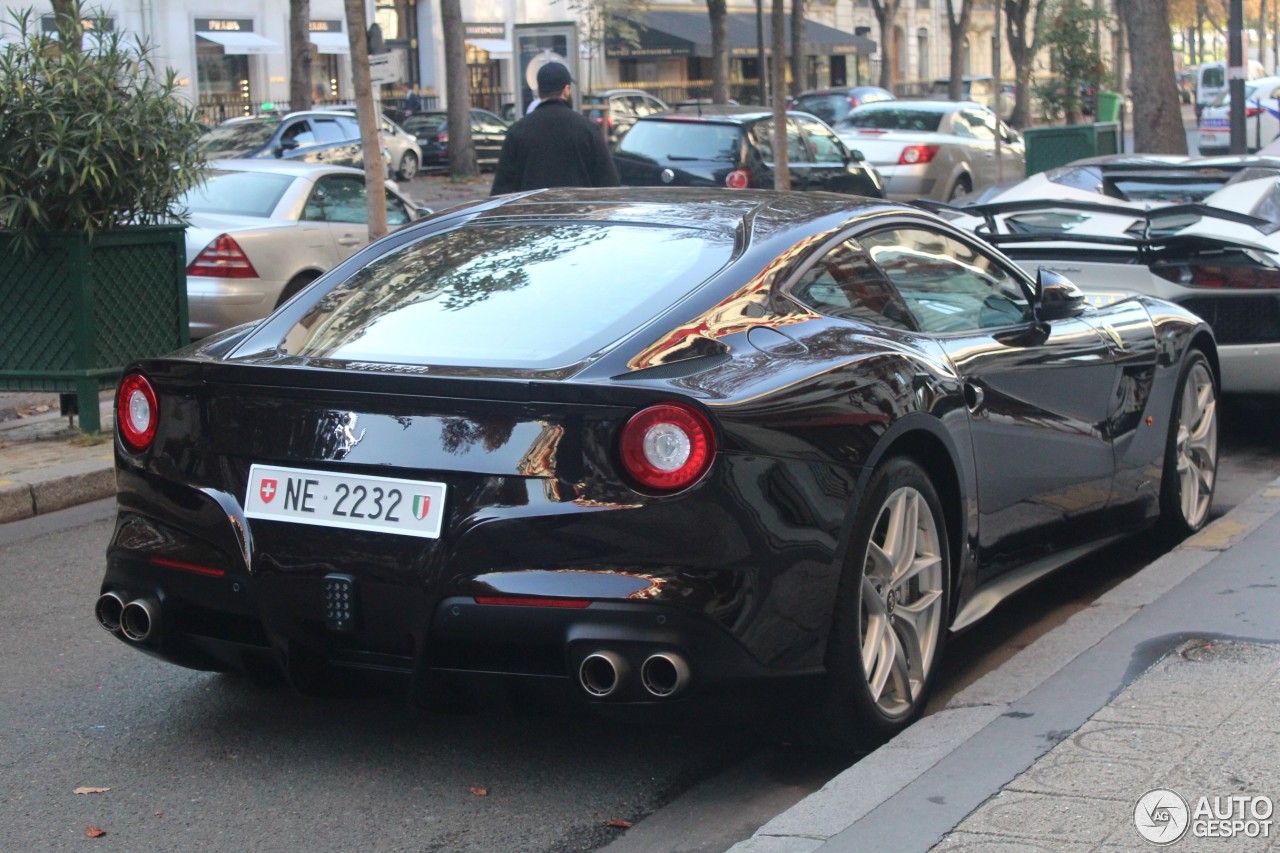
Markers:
point(934, 149)
point(261, 230)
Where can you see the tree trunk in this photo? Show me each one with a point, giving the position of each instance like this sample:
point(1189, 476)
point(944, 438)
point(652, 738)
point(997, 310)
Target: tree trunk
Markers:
point(66, 16)
point(1024, 43)
point(375, 168)
point(798, 83)
point(958, 28)
point(457, 85)
point(718, 12)
point(299, 54)
point(1157, 114)
point(886, 12)
point(778, 70)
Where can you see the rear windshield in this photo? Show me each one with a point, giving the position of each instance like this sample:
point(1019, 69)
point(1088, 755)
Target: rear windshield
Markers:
point(682, 140)
point(426, 125)
point(237, 193)
point(1213, 77)
point(826, 107)
point(530, 295)
point(237, 139)
point(894, 118)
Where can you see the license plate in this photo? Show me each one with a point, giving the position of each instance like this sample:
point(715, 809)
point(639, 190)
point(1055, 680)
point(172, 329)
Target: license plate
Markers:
point(352, 501)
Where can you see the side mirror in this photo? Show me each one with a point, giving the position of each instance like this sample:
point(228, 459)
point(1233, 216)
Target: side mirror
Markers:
point(1056, 297)
point(857, 155)
point(420, 212)
point(286, 145)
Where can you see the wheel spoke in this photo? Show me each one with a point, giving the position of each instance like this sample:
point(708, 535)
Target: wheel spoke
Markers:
point(875, 622)
point(904, 532)
point(884, 661)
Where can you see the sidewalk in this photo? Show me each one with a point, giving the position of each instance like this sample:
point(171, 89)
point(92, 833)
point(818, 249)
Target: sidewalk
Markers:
point(45, 462)
point(1163, 691)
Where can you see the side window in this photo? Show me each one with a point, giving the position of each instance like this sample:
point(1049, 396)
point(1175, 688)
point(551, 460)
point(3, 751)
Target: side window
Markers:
point(338, 198)
point(825, 144)
point(845, 283)
point(397, 214)
point(949, 286)
point(328, 130)
point(762, 135)
point(348, 126)
point(300, 133)
point(982, 123)
point(622, 106)
point(798, 150)
point(960, 125)
point(481, 123)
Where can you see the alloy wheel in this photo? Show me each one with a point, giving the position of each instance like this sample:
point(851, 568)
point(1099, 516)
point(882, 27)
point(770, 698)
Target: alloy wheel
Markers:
point(902, 598)
point(1197, 445)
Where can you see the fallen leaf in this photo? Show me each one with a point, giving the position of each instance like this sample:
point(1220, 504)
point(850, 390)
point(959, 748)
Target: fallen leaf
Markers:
point(480, 792)
point(87, 790)
point(94, 832)
point(618, 823)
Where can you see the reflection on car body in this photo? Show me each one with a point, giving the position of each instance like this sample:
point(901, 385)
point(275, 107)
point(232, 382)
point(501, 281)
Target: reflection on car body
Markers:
point(934, 149)
point(261, 230)
point(730, 146)
point(649, 447)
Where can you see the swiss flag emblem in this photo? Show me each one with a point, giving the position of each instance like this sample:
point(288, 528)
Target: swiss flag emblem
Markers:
point(267, 490)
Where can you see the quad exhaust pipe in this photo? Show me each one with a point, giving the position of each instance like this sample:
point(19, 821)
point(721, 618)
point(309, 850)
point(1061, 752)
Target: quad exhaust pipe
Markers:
point(665, 674)
point(604, 673)
point(137, 620)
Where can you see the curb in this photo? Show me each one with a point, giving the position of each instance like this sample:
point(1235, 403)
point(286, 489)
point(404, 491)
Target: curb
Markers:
point(56, 487)
point(875, 779)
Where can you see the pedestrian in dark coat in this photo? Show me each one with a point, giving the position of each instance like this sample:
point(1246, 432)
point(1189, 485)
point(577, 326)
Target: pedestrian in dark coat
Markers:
point(553, 146)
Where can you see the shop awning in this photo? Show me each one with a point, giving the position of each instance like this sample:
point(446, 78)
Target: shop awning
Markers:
point(250, 43)
point(676, 33)
point(330, 42)
point(498, 47)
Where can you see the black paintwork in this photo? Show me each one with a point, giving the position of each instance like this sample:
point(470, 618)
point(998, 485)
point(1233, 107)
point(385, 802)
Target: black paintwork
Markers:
point(738, 572)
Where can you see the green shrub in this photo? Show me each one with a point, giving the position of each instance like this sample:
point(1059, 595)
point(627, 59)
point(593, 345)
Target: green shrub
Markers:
point(90, 139)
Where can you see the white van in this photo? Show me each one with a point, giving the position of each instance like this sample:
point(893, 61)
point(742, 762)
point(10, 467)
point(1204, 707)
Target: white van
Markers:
point(1211, 81)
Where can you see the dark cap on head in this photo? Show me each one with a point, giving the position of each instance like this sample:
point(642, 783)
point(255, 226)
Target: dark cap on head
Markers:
point(552, 77)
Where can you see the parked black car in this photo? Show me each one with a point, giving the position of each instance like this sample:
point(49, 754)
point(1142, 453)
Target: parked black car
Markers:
point(831, 105)
point(616, 110)
point(431, 128)
point(733, 147)
point(311, 136)
point(640, 447)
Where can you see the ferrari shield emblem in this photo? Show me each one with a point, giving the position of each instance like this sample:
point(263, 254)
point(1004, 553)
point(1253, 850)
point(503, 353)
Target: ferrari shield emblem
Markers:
point(421, 506)
point(267, 490)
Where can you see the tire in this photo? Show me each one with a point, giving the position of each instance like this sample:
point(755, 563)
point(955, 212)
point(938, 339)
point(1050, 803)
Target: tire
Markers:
point(408, 166)
point(1191, 450)
point(959, 188)
point(891, 611)
point(296, 284)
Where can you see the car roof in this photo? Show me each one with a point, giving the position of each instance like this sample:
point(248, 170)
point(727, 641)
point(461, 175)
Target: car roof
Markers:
point(708, 208)
point(722, 113)
point(296, 168)
point(937, 106)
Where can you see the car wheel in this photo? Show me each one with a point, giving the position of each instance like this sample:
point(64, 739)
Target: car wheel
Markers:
point(890, 618)
point(959, 188)
point(296, 284)
point(408, 166)
point(1191, 451)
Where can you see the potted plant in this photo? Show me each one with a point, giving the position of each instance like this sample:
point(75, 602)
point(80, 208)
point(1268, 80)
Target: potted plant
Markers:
point(96, 150)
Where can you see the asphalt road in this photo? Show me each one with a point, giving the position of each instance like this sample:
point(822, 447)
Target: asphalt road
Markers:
point(195, 761)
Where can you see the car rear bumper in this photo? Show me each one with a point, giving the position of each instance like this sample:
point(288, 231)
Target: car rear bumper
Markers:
point(906, 183)
point(214, 304)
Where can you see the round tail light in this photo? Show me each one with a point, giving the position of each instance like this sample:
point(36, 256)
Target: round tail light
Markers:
point(667, 447)
point(137, 412)
point(738, 179)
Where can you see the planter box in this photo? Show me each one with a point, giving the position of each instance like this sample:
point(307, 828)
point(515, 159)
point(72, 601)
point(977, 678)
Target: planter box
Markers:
point(78, 310)
point(1058, 145)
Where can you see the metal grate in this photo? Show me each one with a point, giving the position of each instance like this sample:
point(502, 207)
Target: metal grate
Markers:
point(1239, 319)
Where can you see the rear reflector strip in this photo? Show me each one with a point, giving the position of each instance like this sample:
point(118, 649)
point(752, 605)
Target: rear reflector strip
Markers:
point(209, 571)
point(520, 601)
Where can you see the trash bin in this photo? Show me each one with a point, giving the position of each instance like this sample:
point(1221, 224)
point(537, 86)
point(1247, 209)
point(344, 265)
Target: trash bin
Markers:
point(1109, 106)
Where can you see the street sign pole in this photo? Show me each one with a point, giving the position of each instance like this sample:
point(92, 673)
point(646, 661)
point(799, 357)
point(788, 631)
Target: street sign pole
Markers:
point(1236, 74)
